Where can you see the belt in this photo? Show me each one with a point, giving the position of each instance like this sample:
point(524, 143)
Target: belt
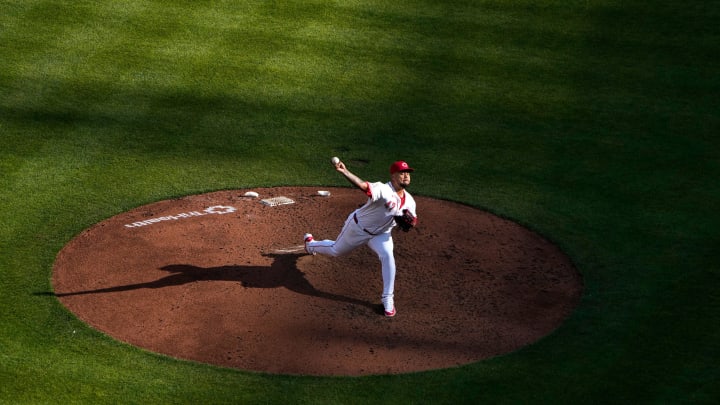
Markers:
point(356, 221)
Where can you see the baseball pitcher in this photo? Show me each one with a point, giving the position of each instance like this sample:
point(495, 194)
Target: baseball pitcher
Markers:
point(388, 204)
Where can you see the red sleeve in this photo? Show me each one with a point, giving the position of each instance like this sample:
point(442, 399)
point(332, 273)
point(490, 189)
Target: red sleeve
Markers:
point(368, 192)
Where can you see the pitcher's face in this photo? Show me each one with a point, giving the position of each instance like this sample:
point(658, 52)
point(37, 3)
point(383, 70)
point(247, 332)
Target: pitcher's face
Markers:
point(401, 179)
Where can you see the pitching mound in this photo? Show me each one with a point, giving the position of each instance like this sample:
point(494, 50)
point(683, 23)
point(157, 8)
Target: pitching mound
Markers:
point(222, 278)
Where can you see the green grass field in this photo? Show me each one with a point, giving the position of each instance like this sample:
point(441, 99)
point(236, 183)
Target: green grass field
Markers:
point(594, 123)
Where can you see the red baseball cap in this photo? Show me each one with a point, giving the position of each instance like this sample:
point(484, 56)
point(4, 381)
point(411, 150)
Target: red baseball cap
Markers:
point(400, 166)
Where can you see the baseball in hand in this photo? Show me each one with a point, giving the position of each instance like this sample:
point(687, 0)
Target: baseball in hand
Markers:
point(335, 160)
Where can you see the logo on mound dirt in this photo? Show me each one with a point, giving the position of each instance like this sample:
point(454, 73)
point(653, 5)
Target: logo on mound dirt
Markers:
point(216, 209)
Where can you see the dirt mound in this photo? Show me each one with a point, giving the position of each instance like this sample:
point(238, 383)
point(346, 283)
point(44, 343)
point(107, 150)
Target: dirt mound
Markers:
point(221, 278)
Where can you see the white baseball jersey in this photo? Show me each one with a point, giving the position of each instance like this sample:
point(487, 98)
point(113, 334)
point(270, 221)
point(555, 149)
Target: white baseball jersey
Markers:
point(383, 203)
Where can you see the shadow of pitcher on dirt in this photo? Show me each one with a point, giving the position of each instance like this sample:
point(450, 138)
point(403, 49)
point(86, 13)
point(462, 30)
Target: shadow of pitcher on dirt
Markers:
point(282, 272)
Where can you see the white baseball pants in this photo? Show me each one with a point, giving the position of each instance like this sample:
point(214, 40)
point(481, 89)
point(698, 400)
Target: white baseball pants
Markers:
point(353, 236)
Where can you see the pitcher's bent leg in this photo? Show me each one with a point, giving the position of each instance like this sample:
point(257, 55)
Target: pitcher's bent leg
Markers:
point(349, 239)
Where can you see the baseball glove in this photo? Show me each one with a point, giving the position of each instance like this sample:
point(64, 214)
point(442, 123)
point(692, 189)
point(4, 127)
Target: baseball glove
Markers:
point(405, 221)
